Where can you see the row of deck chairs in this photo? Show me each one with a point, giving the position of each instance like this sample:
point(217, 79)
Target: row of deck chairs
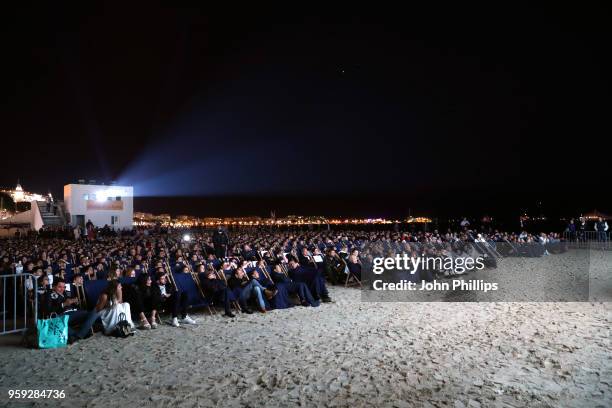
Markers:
point(353, 274)
point(91, 290)
point(189, 283)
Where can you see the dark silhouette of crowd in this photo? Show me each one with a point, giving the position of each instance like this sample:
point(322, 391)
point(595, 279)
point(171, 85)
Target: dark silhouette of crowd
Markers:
point(145, 273)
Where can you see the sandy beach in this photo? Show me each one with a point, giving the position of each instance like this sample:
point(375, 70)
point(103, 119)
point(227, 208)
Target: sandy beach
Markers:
point(349, 353)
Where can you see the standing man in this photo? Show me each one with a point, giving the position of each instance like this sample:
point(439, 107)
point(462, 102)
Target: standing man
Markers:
point(601, 226)
point(220, 242)
point(582, 230)
point(571, 229)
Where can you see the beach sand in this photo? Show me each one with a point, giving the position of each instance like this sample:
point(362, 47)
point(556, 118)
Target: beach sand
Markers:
point(349, 353)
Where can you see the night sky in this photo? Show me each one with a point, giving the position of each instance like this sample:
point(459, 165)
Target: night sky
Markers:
point(332, 112)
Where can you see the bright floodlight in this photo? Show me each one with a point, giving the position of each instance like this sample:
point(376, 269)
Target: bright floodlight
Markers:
point(187, 237)
point(100, 196)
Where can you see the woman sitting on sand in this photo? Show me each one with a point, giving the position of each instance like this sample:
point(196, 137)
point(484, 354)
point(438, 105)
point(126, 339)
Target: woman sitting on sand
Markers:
point(146, 299)
point(111, 306)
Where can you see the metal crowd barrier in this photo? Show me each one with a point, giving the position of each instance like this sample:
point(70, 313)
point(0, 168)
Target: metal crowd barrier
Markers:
point(588, 239)
point(19, 300)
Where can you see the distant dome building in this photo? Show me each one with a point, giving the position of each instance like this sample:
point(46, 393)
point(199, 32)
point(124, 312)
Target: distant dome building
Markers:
point(18, 194)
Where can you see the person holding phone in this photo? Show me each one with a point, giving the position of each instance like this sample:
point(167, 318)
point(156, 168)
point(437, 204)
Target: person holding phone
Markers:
point(56, 301)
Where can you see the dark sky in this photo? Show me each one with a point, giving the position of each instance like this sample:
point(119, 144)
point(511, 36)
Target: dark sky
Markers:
point(335, 112)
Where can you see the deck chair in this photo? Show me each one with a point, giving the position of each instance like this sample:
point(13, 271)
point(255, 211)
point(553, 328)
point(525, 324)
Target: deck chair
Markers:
point(79, 290)
point(233, 302)
point(352, 278)
point(195, 299)
point(93, 290)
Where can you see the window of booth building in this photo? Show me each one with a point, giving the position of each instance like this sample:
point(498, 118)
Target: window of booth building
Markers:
point(118, 198)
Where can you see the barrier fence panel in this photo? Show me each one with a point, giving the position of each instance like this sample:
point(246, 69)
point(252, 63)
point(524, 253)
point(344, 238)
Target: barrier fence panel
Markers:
point(19, 302)
point(592, 239)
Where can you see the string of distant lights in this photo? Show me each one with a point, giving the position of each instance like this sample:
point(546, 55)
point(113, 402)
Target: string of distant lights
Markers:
point(141, 221)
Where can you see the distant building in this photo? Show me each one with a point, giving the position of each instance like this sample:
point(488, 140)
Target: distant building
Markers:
point(103, 205)
point(19, 195)
point(25, 217)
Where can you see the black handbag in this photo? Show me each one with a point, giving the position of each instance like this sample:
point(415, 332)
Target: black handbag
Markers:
point(123, 328)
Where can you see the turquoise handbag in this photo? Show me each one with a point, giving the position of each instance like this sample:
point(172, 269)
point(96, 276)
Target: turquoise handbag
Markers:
point(53, 332)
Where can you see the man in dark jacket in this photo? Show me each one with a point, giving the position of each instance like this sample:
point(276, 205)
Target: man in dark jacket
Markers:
point(334, 267)
point(57, 302)
point(601, 226)
point(170, 298)
point(312, 277)
point(248, 253)
point(216, 290)
point(220, 242)
point(249, 289)
point(294, 288)
point(582, 227)
point(305, 258)
point(571, 229)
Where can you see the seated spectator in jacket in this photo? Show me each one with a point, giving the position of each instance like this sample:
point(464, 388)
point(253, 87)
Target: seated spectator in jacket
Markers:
point(60, 274)
point(143, 299)
point(49, 272)
point(182, 269)
point(29, 282)
point(216, 290)
point(43, 284)
point(312, 277)
point(293, 288)
point(89, 273)
point(248, 253)
point(317, 252)
point(354, 263)
point(57, 302)
point(305, 258)
point(194, 261)
point(180, 266)
point(129, 272)
point(249, 289)
point(171, 299)
point(260, 274)
point(101, 272)
point(138, 268)
point(116, 273)
point(77, 280)
point(334, 267)
point(227, 269)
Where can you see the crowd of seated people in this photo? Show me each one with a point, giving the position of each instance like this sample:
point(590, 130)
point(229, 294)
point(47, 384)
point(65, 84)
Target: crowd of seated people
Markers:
point(136, 271)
